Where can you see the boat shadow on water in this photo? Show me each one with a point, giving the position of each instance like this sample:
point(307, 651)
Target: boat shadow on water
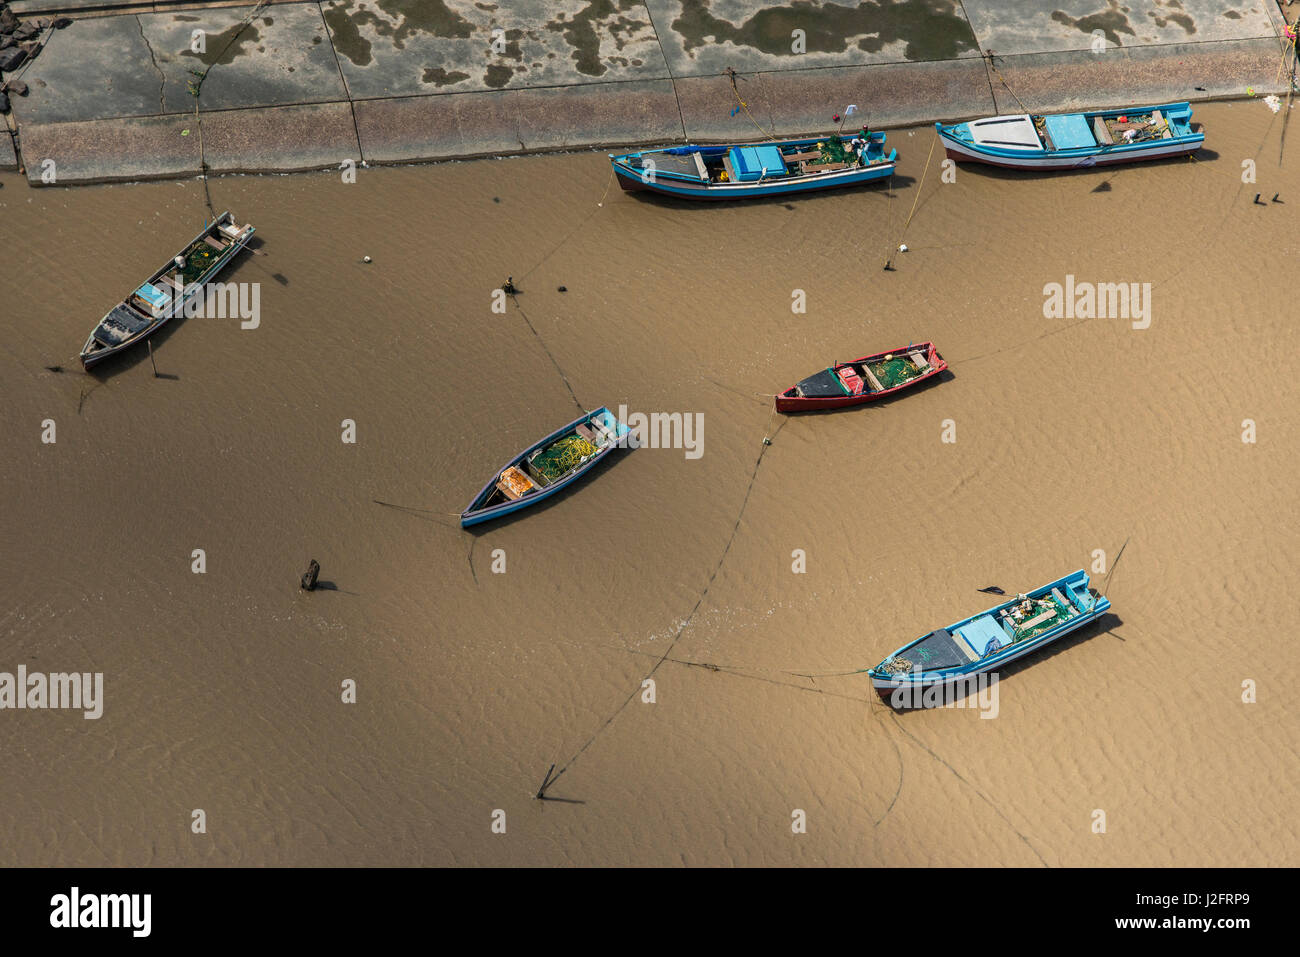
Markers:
point(127, 360)
point(1104, 625)
point(882, 187)
point(610, 461)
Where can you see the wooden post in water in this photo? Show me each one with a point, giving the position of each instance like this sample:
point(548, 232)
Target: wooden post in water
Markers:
point(149, 343)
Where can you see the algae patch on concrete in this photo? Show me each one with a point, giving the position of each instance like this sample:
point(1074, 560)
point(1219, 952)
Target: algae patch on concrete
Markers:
point(930, 29)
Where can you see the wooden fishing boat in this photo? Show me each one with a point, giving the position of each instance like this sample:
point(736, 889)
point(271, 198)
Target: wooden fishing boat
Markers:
point(164, 294)
point(548, 466)
point(991, 639)
point(1075, 140)
point(757, 169)
point(863, 380)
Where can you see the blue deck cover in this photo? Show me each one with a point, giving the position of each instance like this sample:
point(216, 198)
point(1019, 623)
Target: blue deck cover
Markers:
point(1070, 132)
point(154, 296)
point(981, 633)
point(750, 161)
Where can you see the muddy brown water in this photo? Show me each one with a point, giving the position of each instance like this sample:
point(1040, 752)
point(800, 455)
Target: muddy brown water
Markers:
point(223, 689)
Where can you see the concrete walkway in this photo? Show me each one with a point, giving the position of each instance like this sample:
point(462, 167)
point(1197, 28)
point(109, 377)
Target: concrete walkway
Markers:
point(308, 85)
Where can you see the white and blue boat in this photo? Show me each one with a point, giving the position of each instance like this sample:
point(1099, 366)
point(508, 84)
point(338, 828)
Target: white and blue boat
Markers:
point(1075, 140)
point(746, 170)
point(546, 467)
point(166, 294)
point(986, 642)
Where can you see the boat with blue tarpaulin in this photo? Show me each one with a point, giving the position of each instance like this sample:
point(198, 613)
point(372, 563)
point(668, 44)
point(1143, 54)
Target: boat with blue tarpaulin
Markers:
point(1075, 140)
point(986, 642)
point(746, 170)
point(165, 294)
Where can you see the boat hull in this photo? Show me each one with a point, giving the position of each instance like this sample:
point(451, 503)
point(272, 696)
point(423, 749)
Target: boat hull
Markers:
point(886, 687)
point(92, 356)
point(633, 182)
point(476, 516)
point(666, 172)
point(795, 403)
point(961, 666)
point(964, 153)
point(1068, 141)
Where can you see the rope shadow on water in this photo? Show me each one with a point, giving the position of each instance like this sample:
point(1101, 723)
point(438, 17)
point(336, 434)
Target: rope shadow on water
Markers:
point(550, 778)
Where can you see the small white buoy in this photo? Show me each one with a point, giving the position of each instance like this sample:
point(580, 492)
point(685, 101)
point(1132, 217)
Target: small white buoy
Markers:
point(902, 248)
point(365, 259)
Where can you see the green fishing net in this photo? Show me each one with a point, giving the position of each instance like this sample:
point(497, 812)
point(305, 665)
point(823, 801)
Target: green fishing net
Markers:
point(199, 258)
point(835, 149)
point(895, 371)
point(562, 455)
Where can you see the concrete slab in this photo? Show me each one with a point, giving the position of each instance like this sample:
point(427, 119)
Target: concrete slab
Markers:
point(99, 151)
point(1060, 82)
point(1031, 26)
point(392, 49)
point(707, 36)
point(283, 56)
point(91, 70)
point(139, 65)
point(272, 139)
point(887, 95)
point(411, 129)
point(280, 139)
point(8, 158)
point(794, 102)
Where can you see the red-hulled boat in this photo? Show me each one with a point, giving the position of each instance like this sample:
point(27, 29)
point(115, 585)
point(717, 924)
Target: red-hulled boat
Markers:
point(863, 380)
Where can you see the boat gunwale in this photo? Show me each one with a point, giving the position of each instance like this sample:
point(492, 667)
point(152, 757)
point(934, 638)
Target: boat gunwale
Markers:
point(1010, 651)
point(948, 134)
point(176, 304)
point(931, 355)
point(481, 514)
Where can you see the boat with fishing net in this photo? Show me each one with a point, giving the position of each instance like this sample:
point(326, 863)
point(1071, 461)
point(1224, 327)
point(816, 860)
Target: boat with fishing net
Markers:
point(776, 168)
point(164, 295)
point(548, 466)
point(1075, 140)
point(864, 379)
point(993, 638)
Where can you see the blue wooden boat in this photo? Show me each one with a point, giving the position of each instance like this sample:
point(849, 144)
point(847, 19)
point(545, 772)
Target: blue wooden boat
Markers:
point(1075, 140)
point(757, 169)
point(993, 638)
point(548, 466)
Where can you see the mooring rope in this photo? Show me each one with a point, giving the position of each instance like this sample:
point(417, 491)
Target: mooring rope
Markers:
point(552, 775)
point(542, 342)
point(730, 72)
point(907, 222)
point(197, 89)
point(988, 58)
point(1291, 33)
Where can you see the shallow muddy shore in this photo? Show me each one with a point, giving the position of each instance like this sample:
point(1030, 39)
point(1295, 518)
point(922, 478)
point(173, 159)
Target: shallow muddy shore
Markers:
point(222, 689)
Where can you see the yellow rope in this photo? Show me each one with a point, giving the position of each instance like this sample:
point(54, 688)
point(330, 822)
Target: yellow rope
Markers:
point(988, 54)
point(734, 89)
point(1290, 87)
point(919, 187)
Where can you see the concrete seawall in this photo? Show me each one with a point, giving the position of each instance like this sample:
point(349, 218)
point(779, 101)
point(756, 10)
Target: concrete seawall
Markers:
point(296, 86)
